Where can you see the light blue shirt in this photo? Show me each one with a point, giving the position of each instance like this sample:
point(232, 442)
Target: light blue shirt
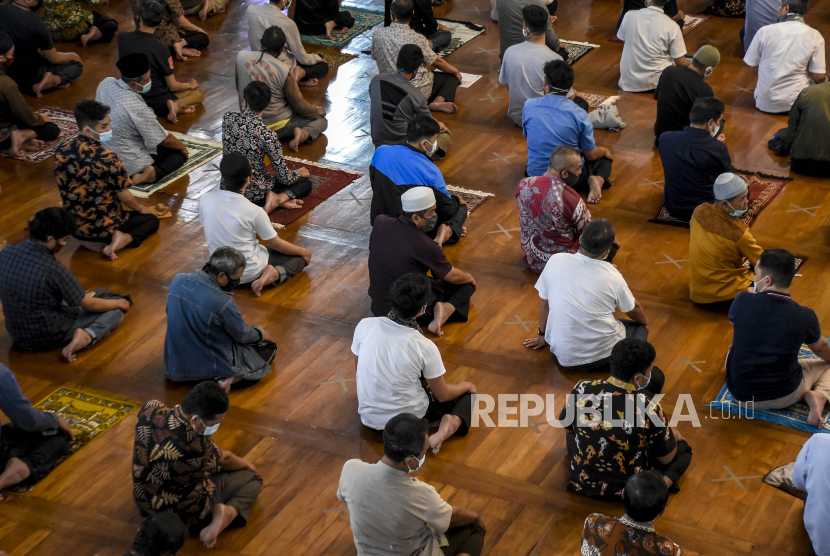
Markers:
point(550, 122)
point(758, 14)
point(812, 475)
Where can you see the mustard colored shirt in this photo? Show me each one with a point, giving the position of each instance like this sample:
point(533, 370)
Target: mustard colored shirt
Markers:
point(718, 244)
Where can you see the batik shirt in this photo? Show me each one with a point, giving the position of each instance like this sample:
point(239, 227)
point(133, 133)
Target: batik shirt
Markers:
point(172, 465)
point(65, 18)
point(90, 176)
point(166, 32)
point(609, 536)
point(387, 43)
point(246, 134)
point(608, 453)
point(552, 216)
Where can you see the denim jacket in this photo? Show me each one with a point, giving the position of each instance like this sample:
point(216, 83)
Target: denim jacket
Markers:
point(204, 330)
point(20, 410)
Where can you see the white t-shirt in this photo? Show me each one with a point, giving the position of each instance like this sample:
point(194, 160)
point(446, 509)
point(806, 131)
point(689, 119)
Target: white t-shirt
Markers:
point(230, 219)
point(652, 42)
point(522, 70)
point(785, 53)
point(582, 294)
point(391, 358)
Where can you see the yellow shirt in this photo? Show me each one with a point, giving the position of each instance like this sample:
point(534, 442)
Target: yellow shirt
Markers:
point(718, 244)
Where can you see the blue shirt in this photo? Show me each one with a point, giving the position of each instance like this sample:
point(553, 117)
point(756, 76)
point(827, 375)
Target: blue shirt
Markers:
point(20, 410)
point(812, 475)
point(403, 165)
point(550, 122)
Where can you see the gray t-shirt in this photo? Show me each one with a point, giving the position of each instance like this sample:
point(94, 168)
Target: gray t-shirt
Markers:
point(250, 67)
point(511, 23)
point(391, 513)
point(263, 16)
point(522, 72)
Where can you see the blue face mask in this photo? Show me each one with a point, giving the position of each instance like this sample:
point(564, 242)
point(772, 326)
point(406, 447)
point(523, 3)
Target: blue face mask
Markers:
point(104, 137)
point(735, 212)
point(433, 149)
point(145, 88)
point(209, 430)
point(648, 380)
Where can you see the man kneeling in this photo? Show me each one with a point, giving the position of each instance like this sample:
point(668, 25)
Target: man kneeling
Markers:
point(393, 355)
point(206, 335)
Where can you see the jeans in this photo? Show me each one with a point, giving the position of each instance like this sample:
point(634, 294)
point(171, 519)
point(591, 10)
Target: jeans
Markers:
point(440, 40)
point(97, 325)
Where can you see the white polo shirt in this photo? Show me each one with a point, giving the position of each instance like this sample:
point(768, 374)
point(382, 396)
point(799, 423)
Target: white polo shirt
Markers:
point(652, 42)
point(582, 294)
point(786, 53)
point(229, 219)
point(391, 358)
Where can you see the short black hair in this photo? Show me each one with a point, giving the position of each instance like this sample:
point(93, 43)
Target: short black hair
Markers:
point(258, 95)
point(89, 113)
point(409, 294)
point(161, 534)
point(273, 39)
point(410, 58)
point(235, 169)
point(403, 436)
point(559, 75)
point(535, 18)
point(151, 13)
point(56, 222)
point(780, 264)
point(598, 237)
point(659, 3)
point(207, 400)
point(629, 357)
point(402, 10)
point(645, 496)
point(705, 109)
point(796, 6)
point(421, 127)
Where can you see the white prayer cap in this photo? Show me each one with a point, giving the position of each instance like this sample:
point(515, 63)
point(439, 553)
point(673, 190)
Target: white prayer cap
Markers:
point(729, 185)
point(418, 199)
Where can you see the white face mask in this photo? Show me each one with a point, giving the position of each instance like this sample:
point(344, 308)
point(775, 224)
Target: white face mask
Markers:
point(420, 463)
point(755, 285)
point(714, 133)
point(209, 430)
point(524, 31)
point(648, 380)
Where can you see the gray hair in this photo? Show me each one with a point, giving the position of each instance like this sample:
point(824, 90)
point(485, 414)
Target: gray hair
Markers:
point(225, 259)
point(561, 156)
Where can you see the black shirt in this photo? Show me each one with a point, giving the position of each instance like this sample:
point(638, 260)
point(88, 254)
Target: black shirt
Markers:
point(692, 160)
point(29, 33)
point(769, 329)
point(161, 63)
point(676, 92)
point(423, 20)
point(670, 9)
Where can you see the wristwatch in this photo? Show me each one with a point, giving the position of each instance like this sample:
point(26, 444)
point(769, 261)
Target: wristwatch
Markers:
point(540, 331)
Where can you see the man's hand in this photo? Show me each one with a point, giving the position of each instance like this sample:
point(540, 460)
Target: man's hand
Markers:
point(185, 153)
point(479, 527)
point(677, 436)
point(607, 153)
point(722, 138)
point(74, 56)
point(617, 243)
point(553, 19)
point(193, 84)
point(144, 210)
point(46, 118)
point(306, 255)
point(443, 27)
point(457, 75)
point(321, 111)
point(64, 426)
point(247, 465)
point(303, 172)
point(536, 343)
point(124, 305)
point(442, 127)
point(471, 388)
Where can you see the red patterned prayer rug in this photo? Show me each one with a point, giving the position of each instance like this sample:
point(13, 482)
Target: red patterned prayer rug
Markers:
point(763, 188)
point(690, 23)
point(326, 180)
point(799, 261)
point(593, 99)
point(474, 199)
point(65, 120)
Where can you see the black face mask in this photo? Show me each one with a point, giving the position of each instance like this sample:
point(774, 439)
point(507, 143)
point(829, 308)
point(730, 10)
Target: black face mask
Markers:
point(37, 6)
point(229, 287)
point(571, 180)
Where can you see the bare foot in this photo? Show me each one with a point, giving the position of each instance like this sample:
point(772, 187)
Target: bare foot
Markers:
point(191, 52)
point(21, 139)
point(441, 312)
point(33, 145)
point(268, 276)
point(49, 81)
point(309, 82)
point(448, 107)
point(223, 515)
point(816, 402)
point(80, 339)
point(119, 241)
point(64, 85)
point(147, 176)
point(292, 204)
point(207, 7)
point(449, 424)
point(595, 189)
point(14, 472)
point(463, 231)
point(93, 35)
point(444, 233)
point(226, 384)
point(300, 136)
point(187, 110)
point(96, 246)
point(173, 113)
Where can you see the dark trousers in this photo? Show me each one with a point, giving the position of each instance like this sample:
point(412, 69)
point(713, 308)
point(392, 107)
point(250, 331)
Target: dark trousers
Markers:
point(343, 19)
point(440, 40)
point(107, 25)
point(461, 407)
point(315, 71)
point(467, 539)
point(288, 265)
point(28, 76)
point(456, 224)
point(45, 132)
point(632, 330)
point(444, 85)
point(457, 295)
point(166, 161)
point(600, 167)
point(140, 227)
point(581, 102)
point(296, 190)
point(195, 39)
point(719, 306)
point(40, 453)
point(820, 168)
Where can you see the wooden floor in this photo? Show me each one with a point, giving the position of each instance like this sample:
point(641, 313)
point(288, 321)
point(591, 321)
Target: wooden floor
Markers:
point(300, 423)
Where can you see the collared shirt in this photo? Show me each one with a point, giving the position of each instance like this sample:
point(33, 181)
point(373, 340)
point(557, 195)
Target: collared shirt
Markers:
point(66, 19)
point(33, 289)
point(263, 16)
point(806, 135)
point(90, 176)
point(676, 92)
point(14, 110)
point(609, 536)
point(522, 70)
point(166, 32)
point(810, 474)
point(552, 216)
point(172, 465)
point(692, 160)
point(20, 410)
point(652, 42)
point(786, 53)
point(136, 133)
point(391, 513)
point(246, 134)
point(550, 122)
point(387, 43)
point(511, 24)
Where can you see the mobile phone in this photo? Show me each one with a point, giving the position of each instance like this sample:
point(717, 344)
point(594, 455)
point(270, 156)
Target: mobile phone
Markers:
point(720, 129)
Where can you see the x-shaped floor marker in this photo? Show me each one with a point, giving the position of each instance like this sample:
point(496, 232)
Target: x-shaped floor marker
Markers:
point(480, 50)
point(524, 323)
point(503, 158)
point(348, 287)
point(744, 89)
point(732, 477)
point(649, 182)
point(504, 231)
point(692, 364)
point(343, 508)
point(354, 198)
point(476, 10)
point(491, 98)
point(803, 209)
point(363, 133)
point(340, 380)
point(672, 261)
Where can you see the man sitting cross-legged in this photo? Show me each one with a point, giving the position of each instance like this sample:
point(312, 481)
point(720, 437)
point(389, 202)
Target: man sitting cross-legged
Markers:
point(176, 32)
point(393, 356)
point(397, 168)
point(811, 475)
point(228, 218)
point(148, 151)
point(554, 120)
point(509, 16)
point(94, 186)
point(178, 468)
point(44, 305)
point(645, 498)
point(579, 293)
point(398, 246)
point(603, 453)
point(33, 441)
point(160, 534)
point(769, 328)
point(804, 139)
point(396, 515)
point(207, 337)
point(167, 96)
point(245, 133)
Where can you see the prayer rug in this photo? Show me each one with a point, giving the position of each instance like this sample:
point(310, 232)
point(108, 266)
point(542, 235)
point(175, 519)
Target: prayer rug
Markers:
point(593, 99)
point(577, 50)
point(473, 198)
point(200, 152)
point(794, 416)
point(799, 261)
point(462, 33)
point(763, 189)
point(89, 412)
point(334, 59)
point(326, 180)
point(690, 23)
point(364, 20)
point(65, 120)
